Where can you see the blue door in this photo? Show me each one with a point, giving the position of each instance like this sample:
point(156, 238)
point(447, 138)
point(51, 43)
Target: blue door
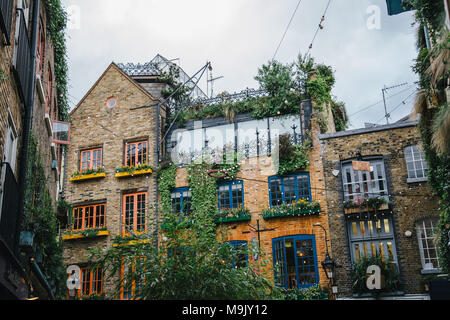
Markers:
point(295, 261)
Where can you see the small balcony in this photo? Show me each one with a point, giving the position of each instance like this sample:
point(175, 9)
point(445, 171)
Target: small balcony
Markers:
point(9, 200)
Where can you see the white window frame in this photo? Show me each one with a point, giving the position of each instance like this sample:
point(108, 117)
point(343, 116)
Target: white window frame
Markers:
point(10, 147)
point(416, 158)
point(422, 230)
point(365, 184)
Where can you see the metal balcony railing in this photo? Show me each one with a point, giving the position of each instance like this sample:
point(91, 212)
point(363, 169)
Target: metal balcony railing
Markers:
point(9, 199)
point(23, 57)
point(6, 12)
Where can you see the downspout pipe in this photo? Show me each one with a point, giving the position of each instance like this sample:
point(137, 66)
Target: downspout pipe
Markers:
point(28, 121)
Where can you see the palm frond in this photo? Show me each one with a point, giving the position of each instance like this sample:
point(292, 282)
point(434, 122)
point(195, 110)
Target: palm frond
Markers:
point(441, 130)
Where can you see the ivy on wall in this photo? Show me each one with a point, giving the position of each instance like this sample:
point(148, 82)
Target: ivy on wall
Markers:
point(432, 67)
point(40, 217)
point(56, 25)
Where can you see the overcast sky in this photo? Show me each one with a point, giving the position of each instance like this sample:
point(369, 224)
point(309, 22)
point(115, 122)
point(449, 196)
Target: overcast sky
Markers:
point(238, 36)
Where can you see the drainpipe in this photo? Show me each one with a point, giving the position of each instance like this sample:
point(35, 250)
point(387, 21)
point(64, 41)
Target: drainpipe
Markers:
point(157, 150)
point(28, 122)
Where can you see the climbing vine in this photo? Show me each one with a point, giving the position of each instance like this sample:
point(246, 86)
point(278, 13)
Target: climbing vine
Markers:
point(432, 67)
point(56, 25)
point(40, 217)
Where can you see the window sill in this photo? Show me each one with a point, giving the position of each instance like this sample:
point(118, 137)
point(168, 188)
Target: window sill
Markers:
point(40, 89)
point(48, 124)
point(81, 235)
point(415, 180)
point(430, 271)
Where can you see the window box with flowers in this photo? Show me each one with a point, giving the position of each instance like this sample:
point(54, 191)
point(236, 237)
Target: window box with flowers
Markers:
point(366, 205)
point(88, 174)
point(132, 171)
point(83, 234)
point(294, 209)
point(233, 215)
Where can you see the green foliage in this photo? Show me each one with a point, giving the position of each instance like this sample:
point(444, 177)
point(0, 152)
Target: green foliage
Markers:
point(314, 292)
point(189, 263)
point(40, 218)
point(3, 75)
point(297, 208)
point(131, 169)
point(87, 172)
point(373, 203)
point(285, 85)
point(56, 25)
point(432, 14)
point(292, 157)
point(389, 273)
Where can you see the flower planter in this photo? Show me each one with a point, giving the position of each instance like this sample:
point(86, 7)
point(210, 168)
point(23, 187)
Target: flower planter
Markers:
point(88, 177)
point(384, 206)
point(233, 219)
point(131, 242)
point(80, 235)
point(293, 213)
point(126, 174)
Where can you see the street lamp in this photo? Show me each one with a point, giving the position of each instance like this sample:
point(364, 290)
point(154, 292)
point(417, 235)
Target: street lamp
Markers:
point(327, 264)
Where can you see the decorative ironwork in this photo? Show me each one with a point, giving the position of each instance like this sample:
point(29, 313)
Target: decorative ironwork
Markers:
point(226, 98)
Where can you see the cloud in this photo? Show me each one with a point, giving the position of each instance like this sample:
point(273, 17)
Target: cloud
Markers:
point(239, 36)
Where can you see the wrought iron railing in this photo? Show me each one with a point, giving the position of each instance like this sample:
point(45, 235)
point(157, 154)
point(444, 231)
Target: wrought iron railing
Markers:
point(23, 57)
point(9, 199)
point(225, 98)
point(6, 12)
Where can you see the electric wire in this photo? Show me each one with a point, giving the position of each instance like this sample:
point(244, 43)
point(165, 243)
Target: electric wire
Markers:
point(398, 106)
point(376, 103)
point(319, 27)
point(287, 28)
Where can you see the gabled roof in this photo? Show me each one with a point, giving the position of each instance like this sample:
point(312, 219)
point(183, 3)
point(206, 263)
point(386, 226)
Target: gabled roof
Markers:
point(114, 65)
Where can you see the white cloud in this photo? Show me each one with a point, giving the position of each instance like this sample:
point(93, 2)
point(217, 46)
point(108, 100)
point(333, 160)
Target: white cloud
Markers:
point(239, 36)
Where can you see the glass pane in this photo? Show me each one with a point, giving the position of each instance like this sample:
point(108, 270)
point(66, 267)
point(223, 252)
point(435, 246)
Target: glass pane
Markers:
point(386, 226)
point(357, 254)
point(275, 192)
point(289, 190)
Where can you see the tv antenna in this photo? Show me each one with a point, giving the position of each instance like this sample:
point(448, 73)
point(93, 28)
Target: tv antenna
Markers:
point(211, 80)
point(386, 114)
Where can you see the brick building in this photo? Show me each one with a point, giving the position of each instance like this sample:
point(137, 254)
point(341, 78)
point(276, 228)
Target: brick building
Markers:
point(28, 107)
point(400, 230)
point(292, 242)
